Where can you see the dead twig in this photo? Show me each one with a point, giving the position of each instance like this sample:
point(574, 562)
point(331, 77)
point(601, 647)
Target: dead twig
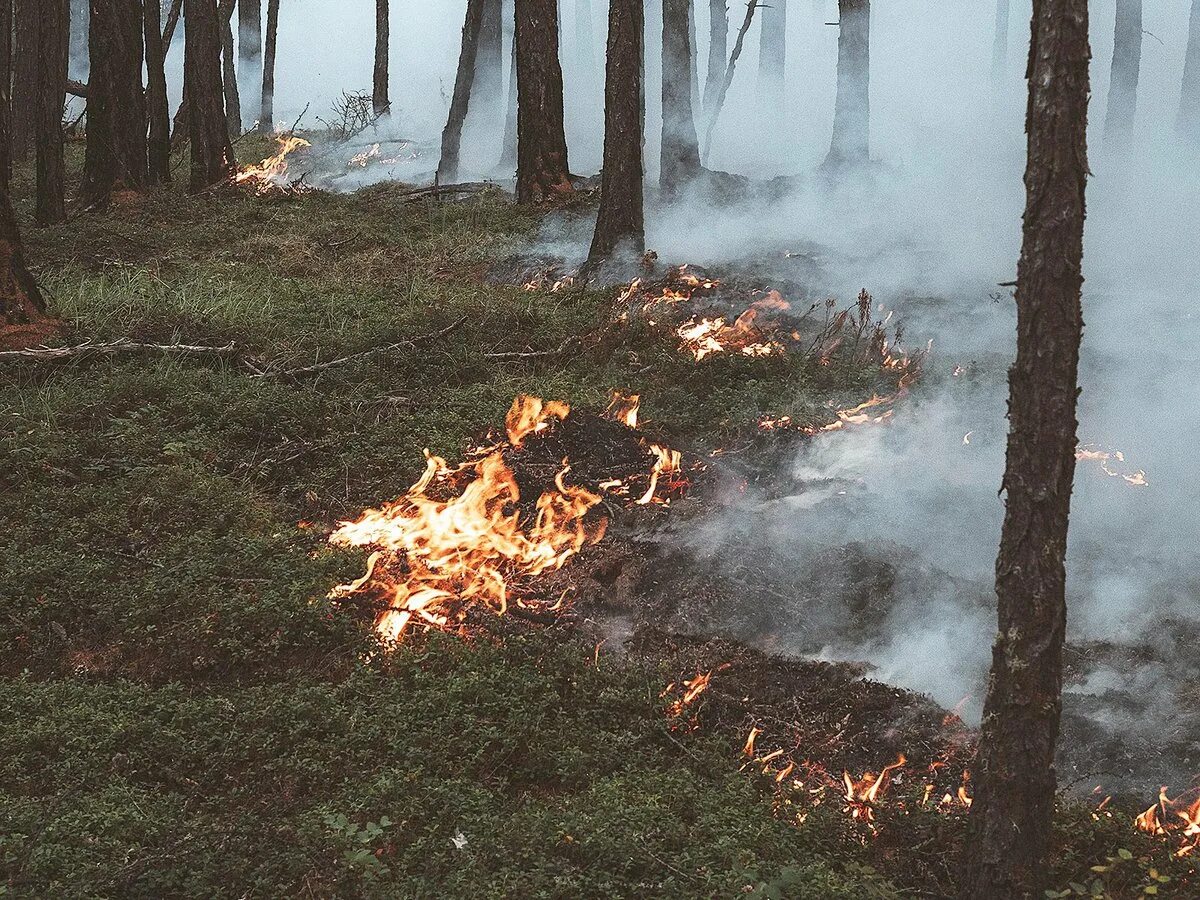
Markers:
point(124, 345)
point(569, 344)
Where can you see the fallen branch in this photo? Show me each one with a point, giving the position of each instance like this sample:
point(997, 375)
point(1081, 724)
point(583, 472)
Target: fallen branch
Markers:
point(569, 344)
point(89, 348)
point(77, 88)
point(436, 190)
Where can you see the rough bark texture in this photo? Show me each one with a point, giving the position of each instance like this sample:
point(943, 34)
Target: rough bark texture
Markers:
point(172, 22)
point(55, 36)
point(233, 97)
point(1189, 99)
point(851, 143)
point(212, 152)
point(159, 144)
point(718, 46)
point(20, 301)
point(1000, 45)
point(447, 171)
point(1126, 71)
point(541, 139)
point(250, 43)
point(116, 135)
point(620, 225)
point(1014, 777)
point(772, 55)
point(266, 118)
point(379, 95)
point(6, 34)
point(26, 45)
point(680, 156)
point(488, 88)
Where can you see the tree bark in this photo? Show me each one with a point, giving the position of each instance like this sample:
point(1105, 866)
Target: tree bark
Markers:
point(26, 45)
point(727, 81)
point(6, 48)
point(680, 156)
point(1189, 98)
point(718, 46)
point(1126, 72)
point(620, 225)
point(250, 43)
point(379, 96)
point(488, 87)
point(55, 37)
point(447, 172)
point(116, 154)
point(20, 301)
point(851, 144)
point(772, 55)
point(159, 144)
point(266, 119)
point(172, 23)
point(1014, 776)
point(213, 161)
point(1000, 45)
point(541, 138)
point(233, 97)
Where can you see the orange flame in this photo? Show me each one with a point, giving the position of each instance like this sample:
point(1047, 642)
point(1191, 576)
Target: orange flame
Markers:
point(624, 408)
point(530, 415)
point(272, 172)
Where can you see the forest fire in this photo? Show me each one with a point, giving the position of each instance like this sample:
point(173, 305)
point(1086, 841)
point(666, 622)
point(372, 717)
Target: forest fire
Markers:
point(1112, 463)
point(1179, 818)
point(271, 174)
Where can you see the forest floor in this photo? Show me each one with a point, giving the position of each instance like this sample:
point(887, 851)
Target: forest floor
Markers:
point(187, 714)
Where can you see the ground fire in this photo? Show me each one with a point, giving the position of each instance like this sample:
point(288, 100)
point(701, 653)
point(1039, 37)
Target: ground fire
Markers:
point(272, 173)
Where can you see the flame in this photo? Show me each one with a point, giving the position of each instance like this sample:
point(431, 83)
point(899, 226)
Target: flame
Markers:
point(1107, 459)
point(624, 408)
point(530, 415)
point(1179, 817)
point(272, 172)
point(704, 337)
point(667, 461)
point(748, 747)
point(363, 159)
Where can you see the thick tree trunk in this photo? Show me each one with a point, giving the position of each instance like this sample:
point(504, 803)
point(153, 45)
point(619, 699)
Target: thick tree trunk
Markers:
point(159, 144)
point(20, 301)
point(6, 36)
point(213, 161)
point(772, 55)
point(851, 144)
point(488, 88)
point(250, 44)
point(680, 156)
point(233, 97)
point(116, 134)
point(1126, 71)
point(26, 45)
point(541, 139)
point(1000, 45)
point(55, 36)
point(718, 46)
point(447, 171)
point(379, 95)
point(620, 226)
point(1189, 99)
point(266, 118)
point(1014, 777)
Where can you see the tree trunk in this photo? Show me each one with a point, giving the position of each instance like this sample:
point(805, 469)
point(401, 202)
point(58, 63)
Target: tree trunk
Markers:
point(680, 157)
point(266, 119)
point(26, 45)
point(116, 154)
point(20, 301)
point(1014, 777)
point(718, 46)
point(1126, 71)
point(541, 139)
point(233, 98)
point(379, 96)
point(1189, 99)
point(772, 56)
point(693, 62)
point(55, 36)
point(6, 36)
point(159, 144)
point(1000, 45)
point(213, 161)
point(730, 71)
point(250, 43)
point(172, 23)
point(851, 143)
point(620, 226)
point(447, 171)
point(488, 88)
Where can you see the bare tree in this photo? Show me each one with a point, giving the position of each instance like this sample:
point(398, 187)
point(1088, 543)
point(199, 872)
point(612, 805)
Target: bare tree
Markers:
point(1000, 44)
point(851, 144)
point(1126, 72)
point(541, 139)
point(730, 69)
point(55, 44)
point(452, 134)
point(6, 48)
point(159, 144)
point(772, 54)
point(379, 94)
point(718, 46)
point(26, 45)
point(266, 118)
point(488, 87)
point(620, 225)
point(213, 161)
point(250, 42)
point(1189, 98)
point(233, 97)
point(1014, 777)
point(680, 149)
point(117, 148)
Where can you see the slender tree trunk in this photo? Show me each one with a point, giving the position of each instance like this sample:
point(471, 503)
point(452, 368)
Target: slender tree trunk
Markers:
point(55, 35)
point(541, 139)
point(620, 226)
point(508, 152)
point(213, 161)
point(159, 144)
point(173, 15)
point(266, 119)
point(116, 135)
point(1009, 825)
point(233, 98)
point(488, 88)
point(680, 156)
point(1000, 45)
point(20, 301)
point(718, 46)
point(1189, 99)
point(250, 44)
point(6, 37)
point(447, 171)
point(851, 144)
point(693, 62)
point(1126, 71)
point(26, 44)
point(379, 96)
point(772, 55)
point(730, 71)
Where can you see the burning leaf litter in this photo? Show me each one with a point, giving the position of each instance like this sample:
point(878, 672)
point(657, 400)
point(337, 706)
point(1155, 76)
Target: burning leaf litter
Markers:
point(271, 174)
